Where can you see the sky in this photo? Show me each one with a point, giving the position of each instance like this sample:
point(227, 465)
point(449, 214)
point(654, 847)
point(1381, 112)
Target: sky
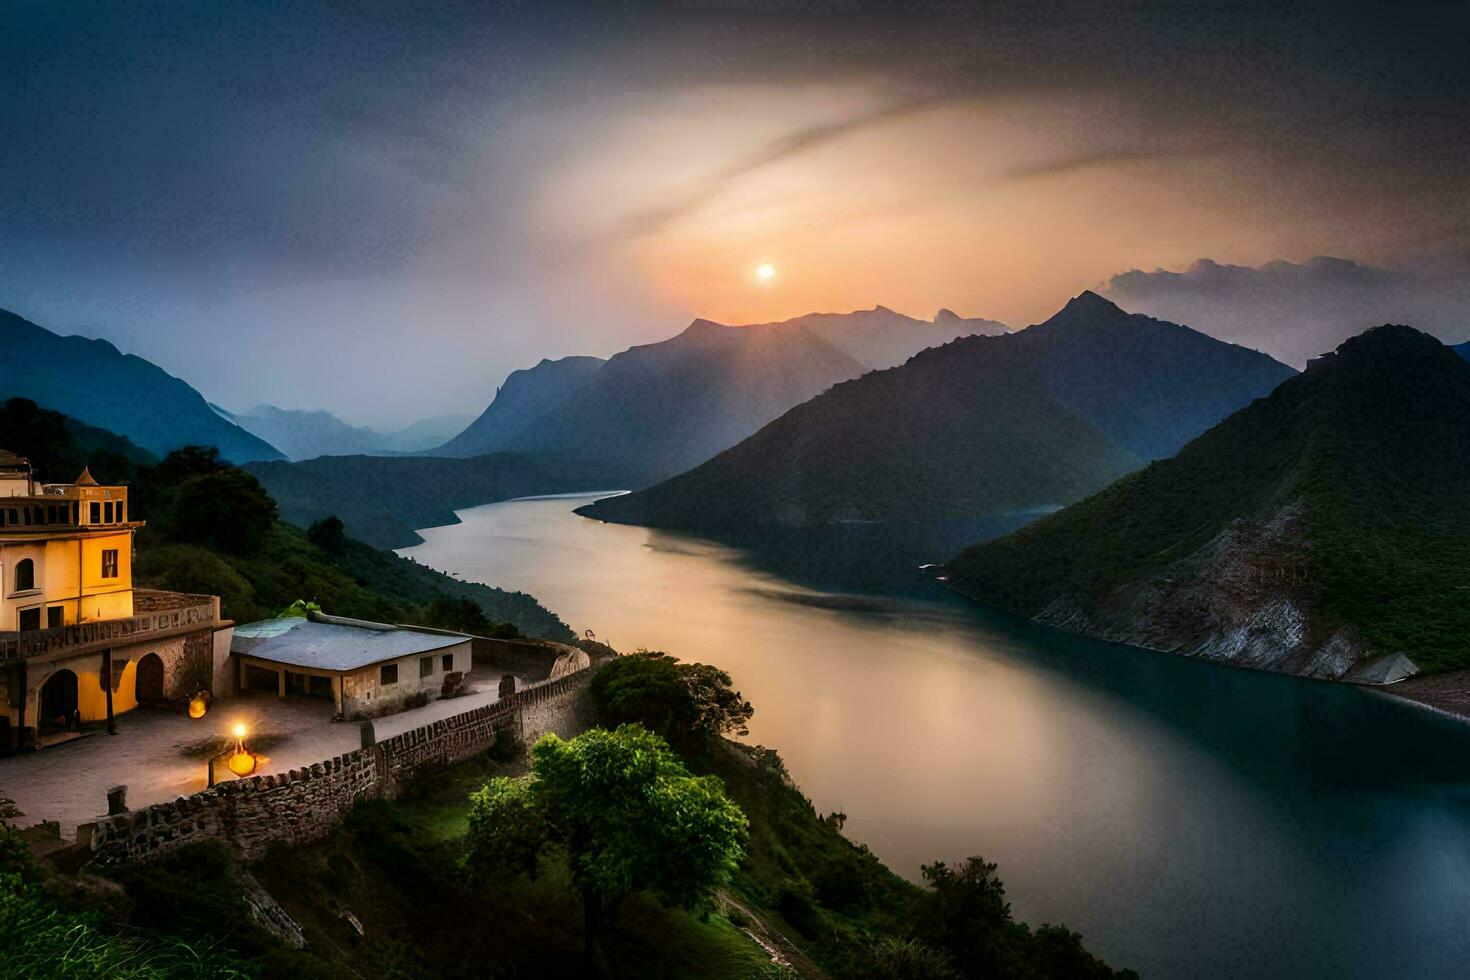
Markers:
point(381, 211)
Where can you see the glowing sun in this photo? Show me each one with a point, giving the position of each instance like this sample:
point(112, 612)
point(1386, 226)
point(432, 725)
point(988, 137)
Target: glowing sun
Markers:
point(765, 272)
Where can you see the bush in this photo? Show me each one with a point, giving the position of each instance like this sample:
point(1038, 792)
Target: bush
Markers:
point(683, 702)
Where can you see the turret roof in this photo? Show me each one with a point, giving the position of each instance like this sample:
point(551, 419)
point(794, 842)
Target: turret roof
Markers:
point(86, 479)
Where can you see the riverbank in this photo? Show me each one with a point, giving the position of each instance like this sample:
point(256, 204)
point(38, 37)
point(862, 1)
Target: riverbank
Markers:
point(943, 728)
point(1447, 694)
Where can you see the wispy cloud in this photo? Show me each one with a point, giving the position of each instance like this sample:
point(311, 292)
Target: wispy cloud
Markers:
point(786, 147)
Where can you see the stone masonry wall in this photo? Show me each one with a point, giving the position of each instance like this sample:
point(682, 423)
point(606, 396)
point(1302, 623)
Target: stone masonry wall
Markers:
point(308, 803)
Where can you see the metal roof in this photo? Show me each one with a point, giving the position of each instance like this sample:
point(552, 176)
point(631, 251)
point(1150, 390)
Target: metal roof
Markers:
point(299, 642)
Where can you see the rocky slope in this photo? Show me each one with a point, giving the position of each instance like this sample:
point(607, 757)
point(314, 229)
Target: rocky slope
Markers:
point(1320, 531)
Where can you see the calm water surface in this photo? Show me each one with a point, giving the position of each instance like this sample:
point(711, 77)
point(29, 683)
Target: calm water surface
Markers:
point(1189, 820)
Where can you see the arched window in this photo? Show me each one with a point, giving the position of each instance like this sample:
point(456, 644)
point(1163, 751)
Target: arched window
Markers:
point(25, 575)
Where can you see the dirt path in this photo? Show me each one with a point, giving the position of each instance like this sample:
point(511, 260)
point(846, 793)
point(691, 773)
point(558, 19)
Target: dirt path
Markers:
point(781, 950)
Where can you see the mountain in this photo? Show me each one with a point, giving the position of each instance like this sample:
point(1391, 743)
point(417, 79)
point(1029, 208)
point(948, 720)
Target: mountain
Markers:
point(382, 499)
point(303, 434)
point(1463, 350)
point(91, 381)
point(980, 426)
point(527, 395)
point(658, 409)
point(880, 338)
point(1320, 531)
point(306, 434)
point(425, 433)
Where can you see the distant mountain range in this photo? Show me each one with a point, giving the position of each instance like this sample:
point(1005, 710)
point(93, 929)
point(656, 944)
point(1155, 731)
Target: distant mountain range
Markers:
point(93, 382)
point(1463, 350)
point(302, 434)
point(658, 409)
point(382, 499)
point(980, 426)
point(1321, 531)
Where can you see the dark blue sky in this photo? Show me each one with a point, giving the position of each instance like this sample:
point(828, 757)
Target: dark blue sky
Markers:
point(381, 211)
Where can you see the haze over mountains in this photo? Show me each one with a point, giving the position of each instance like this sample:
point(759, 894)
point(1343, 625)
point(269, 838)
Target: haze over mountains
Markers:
point(1320, 531)
point(658, 409)
point(93, 382)
point(302, 434)
point(980, 426)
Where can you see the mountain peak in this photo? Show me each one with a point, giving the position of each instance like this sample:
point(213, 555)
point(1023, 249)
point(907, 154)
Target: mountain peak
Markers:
point(1091, 305)
point(1386, 348)
point(946, 315)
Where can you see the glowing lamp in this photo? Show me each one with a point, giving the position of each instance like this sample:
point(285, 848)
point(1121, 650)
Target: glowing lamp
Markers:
point(198, 706)
point(241, 763)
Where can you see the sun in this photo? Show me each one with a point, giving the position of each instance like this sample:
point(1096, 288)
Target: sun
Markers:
point(765, 272)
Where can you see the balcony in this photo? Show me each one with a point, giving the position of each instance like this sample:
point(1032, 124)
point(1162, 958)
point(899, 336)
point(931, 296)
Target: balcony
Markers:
point(156, 614)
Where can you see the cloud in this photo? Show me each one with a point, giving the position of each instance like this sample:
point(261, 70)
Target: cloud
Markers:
point(782, 148)
point(1297, 311)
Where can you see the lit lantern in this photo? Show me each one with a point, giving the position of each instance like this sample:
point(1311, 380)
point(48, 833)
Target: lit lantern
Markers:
point(241, 762)
point(198, 705)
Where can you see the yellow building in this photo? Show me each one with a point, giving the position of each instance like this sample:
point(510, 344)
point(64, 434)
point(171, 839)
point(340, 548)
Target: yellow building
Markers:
point(78, 644)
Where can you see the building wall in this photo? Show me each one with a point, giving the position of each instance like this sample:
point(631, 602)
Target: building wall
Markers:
point(188, 666)
point(68, 573)
point(306, 804)
point(364, 695)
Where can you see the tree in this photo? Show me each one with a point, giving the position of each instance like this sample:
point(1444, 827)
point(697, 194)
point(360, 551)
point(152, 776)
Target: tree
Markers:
point(628, 814)
point(683, 702)
point(191, 495)
point(328, 535)
point(966, 914)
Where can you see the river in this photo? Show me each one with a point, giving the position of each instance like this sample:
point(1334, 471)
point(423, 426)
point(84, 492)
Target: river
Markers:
point(1190, 820)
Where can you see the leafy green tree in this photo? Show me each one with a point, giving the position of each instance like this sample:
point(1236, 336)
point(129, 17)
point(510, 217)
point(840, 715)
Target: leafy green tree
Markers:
point(966, 914)
point(328, 534)
point(683, 702)
point(628, 814)
point(218, 506)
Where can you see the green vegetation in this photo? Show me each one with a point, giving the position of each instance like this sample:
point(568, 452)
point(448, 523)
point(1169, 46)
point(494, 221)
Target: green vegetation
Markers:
point(212, 529)
point(625, 811)
point(382, 499)
point(488, 868)
point(685, 703)
point(50, 934)
point(1361, 465)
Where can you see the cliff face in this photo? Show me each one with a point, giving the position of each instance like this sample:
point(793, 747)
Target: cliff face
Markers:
point(1319, 531)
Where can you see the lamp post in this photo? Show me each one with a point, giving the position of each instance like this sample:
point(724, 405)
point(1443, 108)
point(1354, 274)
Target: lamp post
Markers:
point(241, 762)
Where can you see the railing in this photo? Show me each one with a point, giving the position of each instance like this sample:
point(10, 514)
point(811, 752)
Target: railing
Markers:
point(35, 643)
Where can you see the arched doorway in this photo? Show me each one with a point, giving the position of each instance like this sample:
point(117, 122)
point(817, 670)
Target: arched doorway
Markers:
point(58, 700)
point(149, 682)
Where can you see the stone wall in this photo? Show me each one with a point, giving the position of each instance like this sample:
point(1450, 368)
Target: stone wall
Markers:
point(308, 803)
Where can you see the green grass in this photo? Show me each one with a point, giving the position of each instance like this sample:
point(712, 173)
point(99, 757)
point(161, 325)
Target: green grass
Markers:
point(45, 940)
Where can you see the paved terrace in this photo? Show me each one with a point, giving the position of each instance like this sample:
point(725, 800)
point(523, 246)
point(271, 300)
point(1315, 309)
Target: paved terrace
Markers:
point(160, 754)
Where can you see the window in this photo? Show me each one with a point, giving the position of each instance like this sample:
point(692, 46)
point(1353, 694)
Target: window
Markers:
point(30, 619)
point(25, 578)
point(76, 511)
point(14, 516)
point(426, 666)
point(448, 662)
point(109, 563)
point(55, 617)
point(40, 514)
point(96, 513)
point(120, 517)
point(388, 674)
point(107, 513)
